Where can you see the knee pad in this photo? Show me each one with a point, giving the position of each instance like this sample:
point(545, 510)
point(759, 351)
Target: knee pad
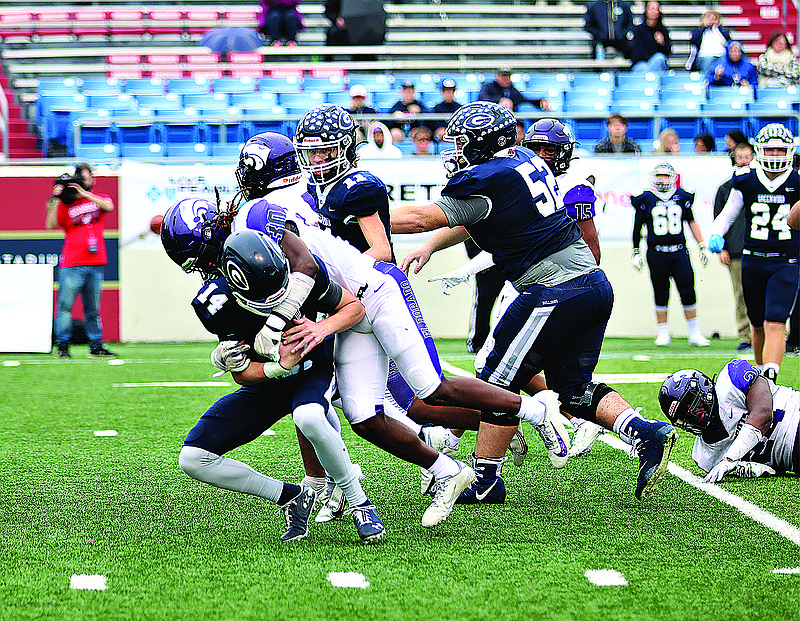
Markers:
point(309, 417)
point(583, 402)
point(192, 460)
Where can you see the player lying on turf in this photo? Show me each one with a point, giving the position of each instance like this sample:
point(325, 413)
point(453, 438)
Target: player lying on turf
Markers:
point(744, 423)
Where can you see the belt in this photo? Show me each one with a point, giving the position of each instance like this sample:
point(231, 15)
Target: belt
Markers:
point(674, 248)
point(768, 255)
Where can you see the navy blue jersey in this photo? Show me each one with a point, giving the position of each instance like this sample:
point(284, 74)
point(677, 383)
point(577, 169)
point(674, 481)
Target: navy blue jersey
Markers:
point(526, 221)
point(766, 230)
point(222, 316)
point(357, 194)
point(663, 217)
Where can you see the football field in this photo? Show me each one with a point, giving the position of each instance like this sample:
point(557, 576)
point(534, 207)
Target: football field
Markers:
point(98, 522)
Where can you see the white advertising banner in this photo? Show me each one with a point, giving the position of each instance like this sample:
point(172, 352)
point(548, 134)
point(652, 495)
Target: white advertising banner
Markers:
point(26, 308)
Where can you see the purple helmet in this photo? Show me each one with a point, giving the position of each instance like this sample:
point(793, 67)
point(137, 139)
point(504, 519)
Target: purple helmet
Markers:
point(688, 400)
point(478, 130)
point(267, 162)
point(554, 134)
point(191, 237)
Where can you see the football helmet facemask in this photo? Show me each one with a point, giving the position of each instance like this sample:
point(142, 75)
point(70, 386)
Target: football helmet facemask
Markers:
point(267, 162)
point(257, 270)
point(325, 142)
point(478, 132)
point(663, 177)
point(774, 136)
point(688, 400)
point(554, 136)
point(191, 236)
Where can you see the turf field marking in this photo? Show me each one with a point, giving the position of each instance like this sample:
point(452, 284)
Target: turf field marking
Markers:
point(348, 580)
point(787, 570)
point(105, 433)
point(116, 363)
point(171, 384)
point(754, 512)
point(605, 577)
point(88, 582)
point(11, 363)
point(613, 378)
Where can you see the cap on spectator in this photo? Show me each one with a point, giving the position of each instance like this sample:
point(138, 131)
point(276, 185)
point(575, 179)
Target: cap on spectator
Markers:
point(408, 84)
point(358, 91)
point(504, 71)
point(448, 83)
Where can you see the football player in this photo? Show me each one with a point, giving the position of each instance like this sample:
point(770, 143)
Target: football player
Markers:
point(352, 203)
point(297, 383)
point(770, 270)
point(744, 423)
point(507, 200)
point(663, 209)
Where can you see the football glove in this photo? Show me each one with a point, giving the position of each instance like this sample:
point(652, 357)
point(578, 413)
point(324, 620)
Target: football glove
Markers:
point(716, 243)
point(230, 356)
point(268, 339)
point(703, 255)
point(637, 260)
point(720, 470)
point(753, 470)
point(451, 279)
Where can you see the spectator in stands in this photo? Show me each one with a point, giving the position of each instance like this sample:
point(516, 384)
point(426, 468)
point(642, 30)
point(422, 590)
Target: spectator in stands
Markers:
point(667, 142)
point(734, 69)
point(355, 22)
point(358, 108)
point(448, 105)
point(81, 212)
point(651, 45)
point(502, 91)
point(379, 144)
point(777, 66)
point(704, 143)
point(707, 43)
point(733, 138)
point(731, 255)
point(617, 141)
point(280, 19)
point(610, 23)
point(406, 108)
point(422, 138)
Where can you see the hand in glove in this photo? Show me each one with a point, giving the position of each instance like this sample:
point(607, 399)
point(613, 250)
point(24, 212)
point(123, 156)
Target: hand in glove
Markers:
point(451, 279)
point(703, 255)
point(716, 243)
point(720, 470)
point(637, 260)
point(268, 339)
point(753, 470)
point(230, 356)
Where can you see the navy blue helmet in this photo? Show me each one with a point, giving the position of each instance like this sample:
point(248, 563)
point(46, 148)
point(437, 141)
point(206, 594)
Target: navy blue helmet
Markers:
point(256, 269)
point(267, 162)
point(478, 131)
point(688, 400)
point(556, 140)
point(325, 142)
point(191, 236)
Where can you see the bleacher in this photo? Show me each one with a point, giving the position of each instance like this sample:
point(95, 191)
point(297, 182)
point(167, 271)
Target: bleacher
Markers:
point(86, 75)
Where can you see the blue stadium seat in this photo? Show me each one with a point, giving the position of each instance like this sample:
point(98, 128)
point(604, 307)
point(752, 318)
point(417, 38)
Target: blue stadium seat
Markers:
point(545, 82)
point(279, 85)
point(589, 129)
point(145, 86)
point(377, 83)
point(230, 85)
point(97, 152)
point(143, 151)
point(122, 101)
point(300, 101)
point(638, 81)
point(190, 151)
point(721, 95)
point(340, 98)
point(57, 86)
point(101, 86)
point(262, 99)
point(756, 123)
point(330, 84)
point(184, 86)
point(591, 81)
point(679, 79)
point(382, 102)
point(228, 149)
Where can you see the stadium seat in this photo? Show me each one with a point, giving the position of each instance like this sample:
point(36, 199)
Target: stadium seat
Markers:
point(97, 152)
point(228, 150)
point(90, 22)
point(272, 84)
point(254, 101)
point(122, 101)
point(340, 98)
point(725, 95)
point(377, 83)
point(680, 79)
point(185, 86)
point(230, 85)
point(101, 86)
point(299, 102)
point(637, 81)
point(163, 103)
point(189, 151)
point(592, 81)
point(384, 101)
point(790, 94)
point(330, 84)
point(143, 151)
point(145, 86)
point(589, 129)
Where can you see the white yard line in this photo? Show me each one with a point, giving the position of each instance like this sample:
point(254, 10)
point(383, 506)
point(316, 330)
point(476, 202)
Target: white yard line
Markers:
point(754, 512)
point(171, 384)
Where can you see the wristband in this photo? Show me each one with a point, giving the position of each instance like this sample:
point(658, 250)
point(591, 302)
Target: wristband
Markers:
point(274, 369)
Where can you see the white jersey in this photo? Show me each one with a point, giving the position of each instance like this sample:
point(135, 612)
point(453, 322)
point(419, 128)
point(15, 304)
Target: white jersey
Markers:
point(779, 448)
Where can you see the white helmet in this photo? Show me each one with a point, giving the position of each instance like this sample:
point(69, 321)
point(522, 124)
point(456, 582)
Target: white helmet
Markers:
point(658, 173)
point(774, 136)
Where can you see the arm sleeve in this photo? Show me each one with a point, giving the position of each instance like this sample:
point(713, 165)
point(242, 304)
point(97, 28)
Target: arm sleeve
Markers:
point(464, 210)
point(728, 214)
point(638, 221)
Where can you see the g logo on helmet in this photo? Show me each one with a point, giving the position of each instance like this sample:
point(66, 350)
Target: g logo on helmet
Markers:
point(479, 120)
point(236, 276)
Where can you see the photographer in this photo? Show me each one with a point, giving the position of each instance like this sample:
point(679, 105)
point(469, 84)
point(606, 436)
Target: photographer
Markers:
point(81, 213)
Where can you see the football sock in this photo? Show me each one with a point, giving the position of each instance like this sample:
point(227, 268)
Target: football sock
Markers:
point(443, 467)
point(625, 423)
point(330, 449)
point(290, 490)
point(694, 326)
point(453, 440)
point(771, 370)
point(228, 473)
point(531, 410)
point(315, 483)
point(663, 329)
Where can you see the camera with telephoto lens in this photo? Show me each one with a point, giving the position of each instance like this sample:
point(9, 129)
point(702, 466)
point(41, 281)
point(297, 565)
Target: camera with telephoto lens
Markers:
point(69, 195)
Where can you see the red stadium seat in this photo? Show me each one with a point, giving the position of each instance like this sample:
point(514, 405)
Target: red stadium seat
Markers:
point(127, 22)
point(199, 21)
point(125, 72)
point(123, 59)
point(166, 21)
point(245, 64)
point(90, 22)
point(165, 72)
point(242, 17)
point(16, 24)
point(54, 22)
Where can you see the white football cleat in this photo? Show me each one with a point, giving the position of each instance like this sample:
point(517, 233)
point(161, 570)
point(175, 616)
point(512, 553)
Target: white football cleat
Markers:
point(552, 430)
point(586, 434)
point(445, 493)
point(437, 439)
point(698, 340)
point(663, 340)
point(518, 447)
